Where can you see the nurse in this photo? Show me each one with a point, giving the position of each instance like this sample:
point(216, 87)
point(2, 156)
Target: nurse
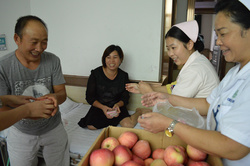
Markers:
point(197, 77)
point(227, 107)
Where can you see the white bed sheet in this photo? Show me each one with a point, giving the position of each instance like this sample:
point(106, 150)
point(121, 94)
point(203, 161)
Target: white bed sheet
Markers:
point(80, 139)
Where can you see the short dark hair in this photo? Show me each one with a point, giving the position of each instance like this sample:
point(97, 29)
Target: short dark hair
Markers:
point(178, 34)
point(22, 22)
point(234, 9)
point(110, 49)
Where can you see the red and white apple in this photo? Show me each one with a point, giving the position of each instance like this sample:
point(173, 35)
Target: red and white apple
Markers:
point(131, 163)
point(128, 139)
point(197, 163)
point(148, 161)
point(137, 159)
point(175, 154)
point(103, 157)
point(158, 162)
point(195, 154)
point(158, 153)
point(110, 143)
point(142, 149)
point(122, 154)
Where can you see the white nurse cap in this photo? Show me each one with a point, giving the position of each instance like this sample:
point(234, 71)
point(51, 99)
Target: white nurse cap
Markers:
point(190, 28)
point(246, 3)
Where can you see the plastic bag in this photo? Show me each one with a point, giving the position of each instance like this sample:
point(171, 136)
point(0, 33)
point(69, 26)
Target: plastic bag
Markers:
point(183, 115)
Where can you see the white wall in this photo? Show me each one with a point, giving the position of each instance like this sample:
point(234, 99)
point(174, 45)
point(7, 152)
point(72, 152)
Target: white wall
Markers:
point(80, 30)
point(10, 11)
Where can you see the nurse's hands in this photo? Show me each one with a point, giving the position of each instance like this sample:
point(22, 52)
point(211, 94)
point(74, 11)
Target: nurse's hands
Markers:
point(150, 99)
point(132, 87)
point(141, 87)
point(154, 122)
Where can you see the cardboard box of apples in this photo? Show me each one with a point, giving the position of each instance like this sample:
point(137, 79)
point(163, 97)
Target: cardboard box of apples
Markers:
point(136, 147)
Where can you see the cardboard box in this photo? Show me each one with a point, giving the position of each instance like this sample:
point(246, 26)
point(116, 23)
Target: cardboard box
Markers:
point(158, 140)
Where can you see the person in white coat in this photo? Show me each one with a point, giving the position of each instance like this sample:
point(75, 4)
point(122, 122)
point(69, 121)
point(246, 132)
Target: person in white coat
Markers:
point(227, 107)
point(197, 77)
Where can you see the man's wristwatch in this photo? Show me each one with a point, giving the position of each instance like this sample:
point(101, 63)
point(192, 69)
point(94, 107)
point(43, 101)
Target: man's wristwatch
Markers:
point(170, 130)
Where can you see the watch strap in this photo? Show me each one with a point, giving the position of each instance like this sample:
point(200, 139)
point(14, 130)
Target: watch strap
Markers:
point(170, 130)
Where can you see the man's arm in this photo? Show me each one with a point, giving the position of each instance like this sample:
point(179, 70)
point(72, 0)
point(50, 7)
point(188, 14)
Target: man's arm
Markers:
point(60, 93)
point(37, 109)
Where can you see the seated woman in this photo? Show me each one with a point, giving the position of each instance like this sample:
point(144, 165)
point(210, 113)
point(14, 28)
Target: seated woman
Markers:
point(107, 95)
point(197, 77)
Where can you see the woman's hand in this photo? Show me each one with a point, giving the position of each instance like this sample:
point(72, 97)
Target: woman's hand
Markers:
point(117, 109)
point(141, 87)
point(154, 122)
point(145, 87)
point(132, 87)
point(150, 99)
point(105, 110)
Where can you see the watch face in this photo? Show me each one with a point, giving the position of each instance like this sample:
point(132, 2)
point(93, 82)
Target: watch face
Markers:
point(168, 133)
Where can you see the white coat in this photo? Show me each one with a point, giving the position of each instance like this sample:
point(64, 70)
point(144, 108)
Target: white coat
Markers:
point(197, 77)
point(229, 110)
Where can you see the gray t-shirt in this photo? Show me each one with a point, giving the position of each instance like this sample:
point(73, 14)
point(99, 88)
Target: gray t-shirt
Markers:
point(16, 79)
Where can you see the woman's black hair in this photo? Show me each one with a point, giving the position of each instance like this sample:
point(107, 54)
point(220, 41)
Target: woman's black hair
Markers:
point(234, 9)
point(110, 49)
point(22, 22)
point(177, 33)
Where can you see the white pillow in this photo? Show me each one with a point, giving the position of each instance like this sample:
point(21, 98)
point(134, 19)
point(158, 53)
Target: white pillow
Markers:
point(68, 105)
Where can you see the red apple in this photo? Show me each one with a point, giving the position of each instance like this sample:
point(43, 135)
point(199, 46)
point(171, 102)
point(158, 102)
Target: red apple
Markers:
point(197, 163)
point(110, 143)
point(131, 163)
point(175, 154)
point(177, 165)
point(195, 154)
point(142, 149)
point(148, 161)
point(102, 157)
point(128, 139)
point(137, 159)
point(158, 162)
point(158, 153)
point(122, 154)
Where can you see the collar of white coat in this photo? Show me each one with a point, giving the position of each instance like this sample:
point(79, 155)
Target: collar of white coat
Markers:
point(244, 73)
point(234, 75)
